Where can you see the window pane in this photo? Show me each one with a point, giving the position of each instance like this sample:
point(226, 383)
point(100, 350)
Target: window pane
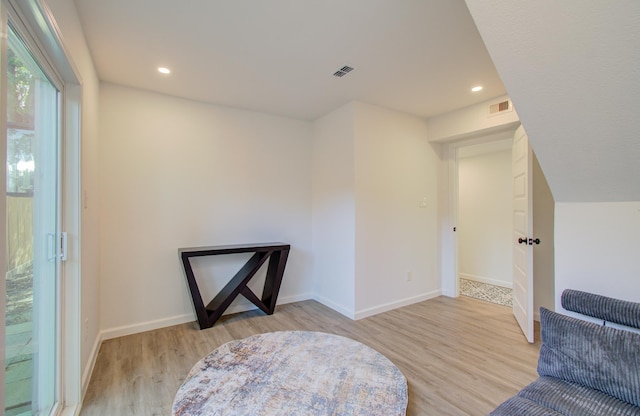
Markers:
point(32, 212)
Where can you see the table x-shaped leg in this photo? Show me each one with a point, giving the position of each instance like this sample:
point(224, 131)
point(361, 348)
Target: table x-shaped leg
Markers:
point(277, 254)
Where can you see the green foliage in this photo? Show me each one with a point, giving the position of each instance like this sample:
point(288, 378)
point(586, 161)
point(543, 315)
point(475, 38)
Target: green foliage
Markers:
point(20, 117)
point(20, 97)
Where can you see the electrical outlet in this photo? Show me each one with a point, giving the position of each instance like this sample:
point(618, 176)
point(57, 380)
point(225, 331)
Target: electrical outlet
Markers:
point(409, 276)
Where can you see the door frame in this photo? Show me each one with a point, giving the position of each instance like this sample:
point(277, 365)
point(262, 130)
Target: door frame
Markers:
point(450, 201)
point(35, 23)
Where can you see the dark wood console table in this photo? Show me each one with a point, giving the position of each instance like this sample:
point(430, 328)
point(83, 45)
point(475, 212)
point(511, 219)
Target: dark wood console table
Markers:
point(208, 315)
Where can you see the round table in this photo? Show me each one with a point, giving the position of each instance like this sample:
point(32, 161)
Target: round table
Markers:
point(293, 373)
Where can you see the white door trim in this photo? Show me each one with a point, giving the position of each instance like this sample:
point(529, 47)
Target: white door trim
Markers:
point(449, 217)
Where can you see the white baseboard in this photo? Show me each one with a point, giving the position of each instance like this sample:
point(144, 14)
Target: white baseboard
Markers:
point(88, 370)
point(245, 305)
point(448, 293)
point(355, 315)
point(190, 317)
point(294, 298)
point(396, 304)
point(124, 330)
point(338, 308)
point(486, 280)
point(71, 410)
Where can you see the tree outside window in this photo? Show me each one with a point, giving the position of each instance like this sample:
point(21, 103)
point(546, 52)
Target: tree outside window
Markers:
point(20, 126)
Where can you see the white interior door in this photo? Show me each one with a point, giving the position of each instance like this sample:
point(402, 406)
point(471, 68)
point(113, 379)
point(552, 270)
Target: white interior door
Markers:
point(522, 234)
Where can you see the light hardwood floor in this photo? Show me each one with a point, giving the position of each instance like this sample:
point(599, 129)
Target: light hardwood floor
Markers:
point(460, 356)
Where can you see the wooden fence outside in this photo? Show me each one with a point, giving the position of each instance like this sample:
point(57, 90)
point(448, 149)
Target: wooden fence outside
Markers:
point(19, 233)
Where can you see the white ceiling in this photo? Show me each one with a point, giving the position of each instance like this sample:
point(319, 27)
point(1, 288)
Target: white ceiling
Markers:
point(572, 69)
point(278, 56)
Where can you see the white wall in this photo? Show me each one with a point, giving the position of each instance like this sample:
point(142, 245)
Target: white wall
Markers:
point(598, 249)
point(571, 68)
point(372, 170)
point(334, 210)
point(176, 173)
point(485, 225)
point(471, 121)
point(396, 172)
point(66, 17)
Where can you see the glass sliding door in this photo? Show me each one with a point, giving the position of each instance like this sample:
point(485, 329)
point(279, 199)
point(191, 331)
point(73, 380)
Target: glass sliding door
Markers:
point(33, 236)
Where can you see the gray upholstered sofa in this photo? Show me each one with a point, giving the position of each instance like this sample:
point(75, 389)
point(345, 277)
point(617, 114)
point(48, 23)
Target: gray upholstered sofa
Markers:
point(585, 368)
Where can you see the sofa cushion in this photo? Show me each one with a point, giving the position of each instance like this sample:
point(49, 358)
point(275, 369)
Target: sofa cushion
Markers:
point(573, 399)
point(520, 406)
point(595, 356)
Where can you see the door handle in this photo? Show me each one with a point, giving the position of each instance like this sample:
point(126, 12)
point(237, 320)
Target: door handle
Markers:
point(63, 246)
point(530, 242)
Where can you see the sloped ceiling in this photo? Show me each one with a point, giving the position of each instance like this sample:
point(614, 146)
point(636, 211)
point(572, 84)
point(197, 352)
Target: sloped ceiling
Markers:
point(278, 56)
point(572, 70)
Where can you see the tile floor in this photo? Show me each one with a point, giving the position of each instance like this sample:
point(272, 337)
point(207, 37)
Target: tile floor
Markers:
point(483, 291)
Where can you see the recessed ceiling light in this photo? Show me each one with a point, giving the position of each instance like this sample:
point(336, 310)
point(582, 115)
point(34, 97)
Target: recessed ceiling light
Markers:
point(477, 88)
point(164, 70)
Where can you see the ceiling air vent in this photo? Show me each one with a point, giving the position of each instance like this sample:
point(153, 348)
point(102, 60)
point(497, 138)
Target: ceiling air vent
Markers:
point(342, 71)
point(501, 107)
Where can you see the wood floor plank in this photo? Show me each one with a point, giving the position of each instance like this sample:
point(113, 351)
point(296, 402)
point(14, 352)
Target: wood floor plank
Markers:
point(460, 356)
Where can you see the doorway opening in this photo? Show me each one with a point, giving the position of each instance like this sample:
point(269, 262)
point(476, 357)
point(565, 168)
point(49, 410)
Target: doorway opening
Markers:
point(484, 227)
point(489, 247)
